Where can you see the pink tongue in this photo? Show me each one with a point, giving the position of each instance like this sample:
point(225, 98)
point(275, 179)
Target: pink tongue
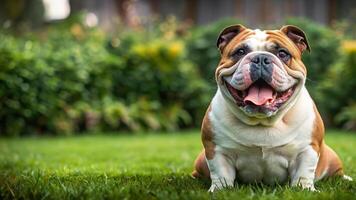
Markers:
point(259, 95)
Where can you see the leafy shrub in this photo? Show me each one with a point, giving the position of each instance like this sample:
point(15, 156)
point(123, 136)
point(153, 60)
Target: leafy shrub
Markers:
point(70, 78)
point(338, 92)
point(42, 79)
point(347, 116)
point(158, 76)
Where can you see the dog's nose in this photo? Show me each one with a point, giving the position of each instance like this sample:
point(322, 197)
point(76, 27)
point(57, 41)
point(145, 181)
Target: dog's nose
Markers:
point(261, 67)
point(261, 59)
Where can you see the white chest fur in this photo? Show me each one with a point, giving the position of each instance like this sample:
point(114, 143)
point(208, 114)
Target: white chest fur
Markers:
point(263, 153)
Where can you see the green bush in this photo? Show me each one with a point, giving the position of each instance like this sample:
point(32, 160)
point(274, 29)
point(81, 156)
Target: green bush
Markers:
point(42, 79)
point(70, 78)
point(157, 75)
point(338, 92)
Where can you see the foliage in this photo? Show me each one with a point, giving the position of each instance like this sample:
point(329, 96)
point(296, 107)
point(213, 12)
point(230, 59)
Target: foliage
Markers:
point(347, 116)
point(138, 167)
point(157, 73)
point(338, 91)
point(68, 78)
point(42, 79)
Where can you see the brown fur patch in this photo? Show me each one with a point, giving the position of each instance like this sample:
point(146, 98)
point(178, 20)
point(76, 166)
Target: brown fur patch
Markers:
point(329, 161)
point(201, 167)
point(318, 132)
point(207, 136)
point(282, 40)
point(226, 61)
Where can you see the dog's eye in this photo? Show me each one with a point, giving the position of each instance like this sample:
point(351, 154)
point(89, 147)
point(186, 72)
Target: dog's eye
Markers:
point(283, 54)
point(239, 52)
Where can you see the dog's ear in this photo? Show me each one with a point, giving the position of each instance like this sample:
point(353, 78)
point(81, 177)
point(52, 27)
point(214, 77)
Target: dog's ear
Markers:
point(228, 34)
point(297, 36)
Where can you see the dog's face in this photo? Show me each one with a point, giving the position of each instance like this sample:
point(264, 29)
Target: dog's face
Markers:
point(260, 73)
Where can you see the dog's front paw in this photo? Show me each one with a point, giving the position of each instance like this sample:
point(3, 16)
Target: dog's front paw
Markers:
point(220, 183)
point(305, 184)
point(309, 187)
point(213, 188)
point(347, 178)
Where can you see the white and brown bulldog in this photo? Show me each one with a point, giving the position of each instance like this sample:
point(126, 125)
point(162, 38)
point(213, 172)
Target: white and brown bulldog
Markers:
point(262, 125)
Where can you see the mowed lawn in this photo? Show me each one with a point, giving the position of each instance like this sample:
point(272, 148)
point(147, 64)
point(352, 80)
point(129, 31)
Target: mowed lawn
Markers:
point(138, 166)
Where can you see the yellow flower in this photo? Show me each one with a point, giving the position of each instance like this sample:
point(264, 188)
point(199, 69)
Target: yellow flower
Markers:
point(175, 49)
point(153, 49)
point(349, 46)
point(139, 49)
point(77, 31)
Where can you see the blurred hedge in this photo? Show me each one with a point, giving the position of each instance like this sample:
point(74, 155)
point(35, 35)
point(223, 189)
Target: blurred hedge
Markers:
point(72, 79)
point(44, 81)
point(337, 92)
point(69, 78)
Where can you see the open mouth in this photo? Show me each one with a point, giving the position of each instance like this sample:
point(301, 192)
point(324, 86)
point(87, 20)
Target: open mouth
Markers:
point(260, 97)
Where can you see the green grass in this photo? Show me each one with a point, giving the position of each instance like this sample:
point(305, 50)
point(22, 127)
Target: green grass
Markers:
point(137, 167)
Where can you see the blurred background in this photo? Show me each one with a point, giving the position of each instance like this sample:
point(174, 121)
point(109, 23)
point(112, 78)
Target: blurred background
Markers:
point(73, 66)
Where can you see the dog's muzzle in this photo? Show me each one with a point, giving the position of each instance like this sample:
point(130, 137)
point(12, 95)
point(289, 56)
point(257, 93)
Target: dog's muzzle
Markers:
point(259, 83)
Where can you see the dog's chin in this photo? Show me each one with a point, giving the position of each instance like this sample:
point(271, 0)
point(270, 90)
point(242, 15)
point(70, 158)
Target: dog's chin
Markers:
point(262, 109)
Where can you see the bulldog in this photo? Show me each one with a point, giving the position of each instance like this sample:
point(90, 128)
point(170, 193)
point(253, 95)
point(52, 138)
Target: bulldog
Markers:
point(262, 125)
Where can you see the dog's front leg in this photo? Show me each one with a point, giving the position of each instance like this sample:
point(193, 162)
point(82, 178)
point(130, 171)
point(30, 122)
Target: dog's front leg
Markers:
point(303, 173)
point(222, 171)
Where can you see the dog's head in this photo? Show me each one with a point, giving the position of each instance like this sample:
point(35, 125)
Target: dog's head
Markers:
point(261, 73)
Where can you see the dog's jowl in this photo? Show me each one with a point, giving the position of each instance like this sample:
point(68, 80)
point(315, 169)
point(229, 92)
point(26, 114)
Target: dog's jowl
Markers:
point(262, 125)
